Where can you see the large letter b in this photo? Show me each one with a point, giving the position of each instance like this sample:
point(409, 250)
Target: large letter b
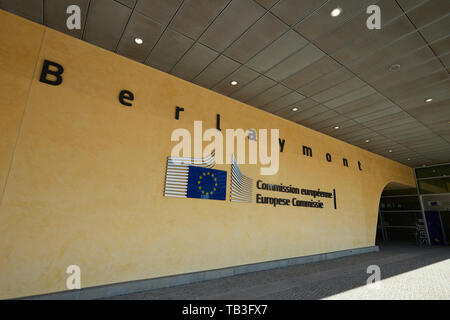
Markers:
point(56, 73)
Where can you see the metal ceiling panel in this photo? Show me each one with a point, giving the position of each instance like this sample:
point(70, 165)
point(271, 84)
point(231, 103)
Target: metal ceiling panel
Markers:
point(414, 72)
point(194, 61)
point(194, 16)
point(388, 118)
point(307, 103)
point(432, 113)
point(393, 31)
point(438, 91)
point(328, 126)
point(436, 30)
point(128, 3)
point(428, 12)
point(243, 76)
point(317, 109)
point(269, 95)
point(274, 53)
point(169, 49)
point(360, 106)
point(410, 133)
point(351, 96)
point(106, 21)
point(429, 137)
point(345, 126)
point(267, 3)
point(391, 123)
point(446, 61)
point(441, 46)
point(231, 23)
point(216, 71)
point(389, 111)
point(407, 88)
point(404, 52)
point(329, 80)
point(159, 10)
point(302, 105)
point(299, 117)
point(319, 118)
point(311, 72)
point(384, 78)
point(292, 11)
point(29, 9)
point(285, 113)
point(308, 27)
point(147, 29)
point(343, 35)
point(261, 34)
point(338, 90)
point(295, 62)
point(283, 102)
point(254, 88)
point(409, 4)
point(367, 42)
point(409, 128)
point(357, 134)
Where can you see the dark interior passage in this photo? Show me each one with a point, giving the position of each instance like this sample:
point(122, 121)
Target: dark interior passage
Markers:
point(417, 215)
point(400, 217)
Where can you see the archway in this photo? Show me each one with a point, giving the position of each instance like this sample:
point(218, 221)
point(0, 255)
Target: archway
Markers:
point(400, 216)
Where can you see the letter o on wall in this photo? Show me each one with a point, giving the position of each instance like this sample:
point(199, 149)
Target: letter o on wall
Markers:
point(329, 157)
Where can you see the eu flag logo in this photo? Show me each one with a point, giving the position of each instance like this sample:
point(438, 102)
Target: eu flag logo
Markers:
point(204, 183)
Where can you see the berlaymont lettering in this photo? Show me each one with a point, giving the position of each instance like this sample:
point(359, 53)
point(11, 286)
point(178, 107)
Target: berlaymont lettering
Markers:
point(126, 97)
point(88, 178)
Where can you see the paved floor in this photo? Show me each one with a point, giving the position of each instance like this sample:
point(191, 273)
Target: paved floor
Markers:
point(407, 272)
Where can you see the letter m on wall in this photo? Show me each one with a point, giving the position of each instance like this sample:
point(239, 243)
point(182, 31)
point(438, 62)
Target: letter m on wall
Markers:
point(307, 151)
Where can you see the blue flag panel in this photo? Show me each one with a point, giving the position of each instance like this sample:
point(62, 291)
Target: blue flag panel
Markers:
point(204, 183)
point(435, 228)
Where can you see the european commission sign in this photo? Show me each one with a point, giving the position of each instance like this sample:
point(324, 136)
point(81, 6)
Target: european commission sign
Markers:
point(196, 178)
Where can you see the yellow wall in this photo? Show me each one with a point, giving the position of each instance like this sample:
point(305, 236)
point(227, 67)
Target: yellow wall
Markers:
point(82, 177)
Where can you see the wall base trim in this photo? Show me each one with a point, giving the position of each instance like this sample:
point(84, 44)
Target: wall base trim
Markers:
point(187, 278)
